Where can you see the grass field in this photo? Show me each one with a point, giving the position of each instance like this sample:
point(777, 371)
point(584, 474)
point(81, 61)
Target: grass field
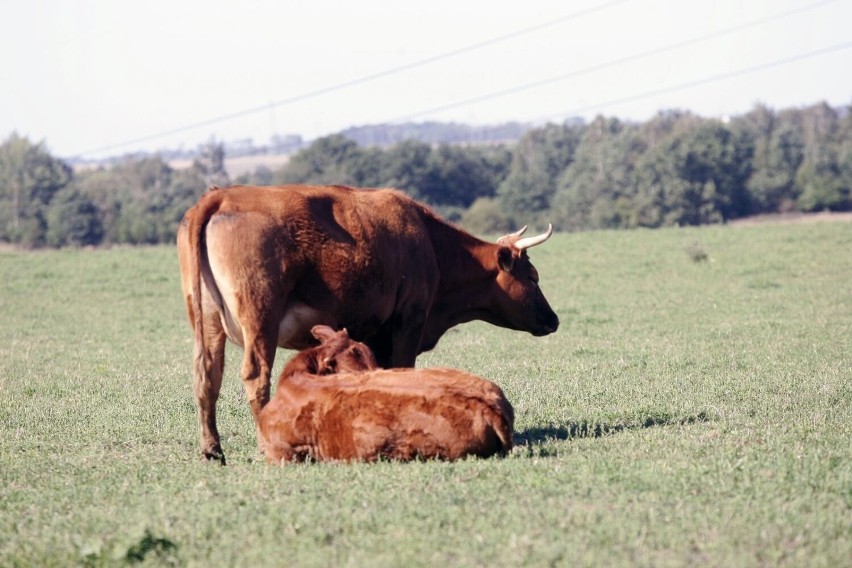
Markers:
point(685, 413)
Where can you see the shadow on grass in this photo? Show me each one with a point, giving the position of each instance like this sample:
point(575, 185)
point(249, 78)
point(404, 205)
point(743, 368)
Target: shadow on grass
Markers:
point(587, 429)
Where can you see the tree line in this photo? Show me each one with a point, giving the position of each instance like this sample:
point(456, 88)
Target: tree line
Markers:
point(675, 169)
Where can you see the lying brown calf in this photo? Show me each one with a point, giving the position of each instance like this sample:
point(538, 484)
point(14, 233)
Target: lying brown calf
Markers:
point(333, 404)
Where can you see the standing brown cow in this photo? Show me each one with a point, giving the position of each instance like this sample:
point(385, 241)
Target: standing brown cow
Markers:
point(331, 404)
point(262, 265)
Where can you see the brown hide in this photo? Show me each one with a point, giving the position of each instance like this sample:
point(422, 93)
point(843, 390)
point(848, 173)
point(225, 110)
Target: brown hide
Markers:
point(398, 414)
point(331, 404)
point(262, 265)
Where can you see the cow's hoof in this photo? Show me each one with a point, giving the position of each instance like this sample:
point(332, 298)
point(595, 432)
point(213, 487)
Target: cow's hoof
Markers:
point(213, 455)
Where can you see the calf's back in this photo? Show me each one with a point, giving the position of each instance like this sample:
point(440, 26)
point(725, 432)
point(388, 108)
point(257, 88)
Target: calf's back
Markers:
point(399, 414)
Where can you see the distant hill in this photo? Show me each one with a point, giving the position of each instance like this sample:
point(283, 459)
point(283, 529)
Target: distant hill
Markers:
point(434, 133)
point(367, 135)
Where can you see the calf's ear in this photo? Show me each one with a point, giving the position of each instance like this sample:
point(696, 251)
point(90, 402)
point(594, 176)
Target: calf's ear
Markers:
point(322, 333)
point(363, 357)
point(505, 259)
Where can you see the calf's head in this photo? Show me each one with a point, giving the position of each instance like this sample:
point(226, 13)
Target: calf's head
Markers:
point(519, 299)
point(338, 353)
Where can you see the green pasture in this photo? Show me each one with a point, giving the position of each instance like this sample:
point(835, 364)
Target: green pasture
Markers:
point(688, 412)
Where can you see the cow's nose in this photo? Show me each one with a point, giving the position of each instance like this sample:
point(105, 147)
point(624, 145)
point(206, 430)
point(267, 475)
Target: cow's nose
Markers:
point(551, 324)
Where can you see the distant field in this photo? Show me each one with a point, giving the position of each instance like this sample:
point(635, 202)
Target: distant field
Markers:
point(685, 413)
point(794, 218)
point(243, 164)
point(234, 166)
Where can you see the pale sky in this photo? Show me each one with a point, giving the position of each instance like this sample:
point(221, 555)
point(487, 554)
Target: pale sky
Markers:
point(82, 75)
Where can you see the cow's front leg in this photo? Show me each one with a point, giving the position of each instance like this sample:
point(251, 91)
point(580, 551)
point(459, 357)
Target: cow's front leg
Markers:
point(258, 358)
point(406, 339)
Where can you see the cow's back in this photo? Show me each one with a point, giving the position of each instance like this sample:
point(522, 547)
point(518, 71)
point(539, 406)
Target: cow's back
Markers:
point(342, 257)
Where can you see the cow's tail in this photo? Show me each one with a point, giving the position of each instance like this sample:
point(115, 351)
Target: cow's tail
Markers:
point(197, 220)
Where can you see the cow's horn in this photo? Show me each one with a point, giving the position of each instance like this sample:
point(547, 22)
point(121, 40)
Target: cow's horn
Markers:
point(528, 242)
point(516, 234)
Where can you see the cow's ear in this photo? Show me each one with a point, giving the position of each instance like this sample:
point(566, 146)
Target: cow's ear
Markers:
point(505, 258)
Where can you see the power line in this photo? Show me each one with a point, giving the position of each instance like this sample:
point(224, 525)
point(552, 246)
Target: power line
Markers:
point(612, 63)
point(706, 80)
point(359, 80)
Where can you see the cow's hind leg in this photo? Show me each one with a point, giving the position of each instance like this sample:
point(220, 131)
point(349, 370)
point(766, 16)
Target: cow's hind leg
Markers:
point(209, 363)
point(258, 357)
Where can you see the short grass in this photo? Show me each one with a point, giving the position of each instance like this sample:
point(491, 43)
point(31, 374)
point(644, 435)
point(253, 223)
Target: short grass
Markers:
point(693, 409)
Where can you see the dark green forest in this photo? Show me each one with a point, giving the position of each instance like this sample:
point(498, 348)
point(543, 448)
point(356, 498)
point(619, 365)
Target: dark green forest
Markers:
point(675, 169)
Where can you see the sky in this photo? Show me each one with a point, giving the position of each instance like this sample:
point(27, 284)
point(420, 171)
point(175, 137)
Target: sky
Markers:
point(94, 78)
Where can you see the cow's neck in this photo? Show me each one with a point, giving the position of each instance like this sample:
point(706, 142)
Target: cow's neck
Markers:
point(468, 269)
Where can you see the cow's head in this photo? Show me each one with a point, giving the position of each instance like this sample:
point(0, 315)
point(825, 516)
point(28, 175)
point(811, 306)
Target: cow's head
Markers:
point(520, 301)
point(338, 353)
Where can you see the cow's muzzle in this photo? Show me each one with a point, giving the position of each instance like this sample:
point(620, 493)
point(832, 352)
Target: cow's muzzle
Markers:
point(547, 325)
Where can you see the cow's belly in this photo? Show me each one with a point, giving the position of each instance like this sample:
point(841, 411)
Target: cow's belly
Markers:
point(294, 329)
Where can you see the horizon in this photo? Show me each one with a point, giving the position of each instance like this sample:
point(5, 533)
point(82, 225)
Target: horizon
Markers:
point(187, 153)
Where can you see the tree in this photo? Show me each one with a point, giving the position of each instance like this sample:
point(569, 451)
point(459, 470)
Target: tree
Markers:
point(694, 176)
point(210, 164)
point(143, 187)
point(844, 155)
point(108, 194)
point(407, 166)
point(261, 175)
point(29, 178)
point(142, 200)
point(487, 216)
point(537, 162)
point(818, 177)
point(777, 145)
point(456, 177)
point(448, 177)
point(821, 189)
point(597, 189)
point(329, 160)
point(183, 191)
point(772, 185)
point(73, 219)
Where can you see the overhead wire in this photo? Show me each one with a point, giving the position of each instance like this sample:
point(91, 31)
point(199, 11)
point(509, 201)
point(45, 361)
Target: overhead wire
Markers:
point(612, 63)
point(357, 81)
point(518, 88)
point(705, 80)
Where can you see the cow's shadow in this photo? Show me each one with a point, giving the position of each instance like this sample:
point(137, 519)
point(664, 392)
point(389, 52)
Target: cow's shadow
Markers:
point(593, 429)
